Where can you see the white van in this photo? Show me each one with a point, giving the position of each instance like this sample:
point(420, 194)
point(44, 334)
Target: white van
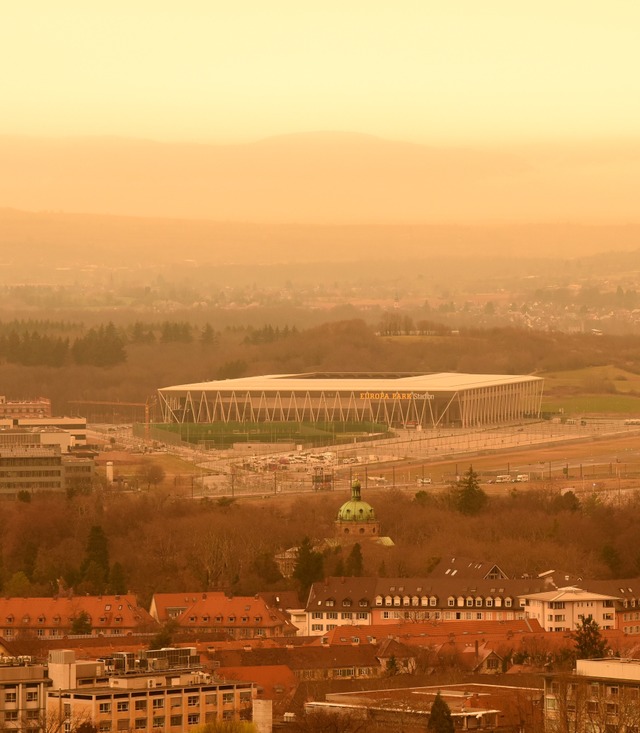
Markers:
point(521, 477)
point(504, 478)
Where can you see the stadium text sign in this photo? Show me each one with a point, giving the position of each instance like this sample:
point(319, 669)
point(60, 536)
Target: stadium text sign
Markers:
point(396, 396)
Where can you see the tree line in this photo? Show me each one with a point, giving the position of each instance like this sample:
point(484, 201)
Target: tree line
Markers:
point(159, 540)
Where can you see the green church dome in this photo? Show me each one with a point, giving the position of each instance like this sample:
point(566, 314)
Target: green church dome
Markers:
point(356, 510)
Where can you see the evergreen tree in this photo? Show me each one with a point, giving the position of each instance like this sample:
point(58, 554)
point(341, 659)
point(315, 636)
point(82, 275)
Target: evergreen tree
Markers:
point(469, 498)
point(117, 579)
point(588, 640)
point(355, 562)
point(440, 720)
point(81, 624)
point(95, 566)
point(308, 569)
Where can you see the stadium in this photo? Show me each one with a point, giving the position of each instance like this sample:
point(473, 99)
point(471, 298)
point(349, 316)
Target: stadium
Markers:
point(339, 403)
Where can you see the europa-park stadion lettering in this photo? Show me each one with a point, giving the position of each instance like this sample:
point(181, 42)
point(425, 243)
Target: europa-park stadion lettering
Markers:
point(396, 396)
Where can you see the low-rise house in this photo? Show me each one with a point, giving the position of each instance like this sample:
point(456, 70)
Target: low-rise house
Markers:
point(51, 618)
point(472, 706)
point(238, 617)
point(307, 662)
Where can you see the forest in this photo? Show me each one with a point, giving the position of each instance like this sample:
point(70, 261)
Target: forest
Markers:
point(68, 362)
point(160, 541)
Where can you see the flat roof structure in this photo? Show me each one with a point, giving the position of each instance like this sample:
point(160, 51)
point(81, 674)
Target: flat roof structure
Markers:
point(396, 400)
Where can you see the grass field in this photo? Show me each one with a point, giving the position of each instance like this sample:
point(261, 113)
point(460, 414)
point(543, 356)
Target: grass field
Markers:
point(606, 390)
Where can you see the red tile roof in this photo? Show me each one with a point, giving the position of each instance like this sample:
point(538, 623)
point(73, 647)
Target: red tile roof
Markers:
point(106, 613)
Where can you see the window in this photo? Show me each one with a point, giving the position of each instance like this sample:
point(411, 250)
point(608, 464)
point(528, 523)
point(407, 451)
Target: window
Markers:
point(316, 614)
point(433, 601)
point(317, 627)
point(9, 696)
point(123, 706)
point(140, 724)
point(330, 602)
point(245, 696)
point(11, 715)
point(211, 699)
point(362, 615)
point(32, 696)
point(193, 701)
point(347, 603)
point(347, 614)
point(158, 703)
point(451, 602)
point(175, 702)
point(332, 614)
point(492, 663)
point(141, 704)
point(227, 697)
point(175, 720)
point(123, 724)
point(104, 726)
point(469, 601)
point(331, 626)
point(158, 721)
point(105, 707)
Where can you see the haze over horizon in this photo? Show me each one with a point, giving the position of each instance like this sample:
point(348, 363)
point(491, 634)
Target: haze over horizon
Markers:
point(333, 112)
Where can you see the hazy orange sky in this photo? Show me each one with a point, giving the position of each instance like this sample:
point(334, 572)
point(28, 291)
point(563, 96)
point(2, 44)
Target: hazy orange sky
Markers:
point(438, 71)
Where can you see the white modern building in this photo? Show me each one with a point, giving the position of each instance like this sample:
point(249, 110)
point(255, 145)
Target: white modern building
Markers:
point(427, 400)
point(562, 609)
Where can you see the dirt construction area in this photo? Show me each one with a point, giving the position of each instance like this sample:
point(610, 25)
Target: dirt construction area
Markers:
point(594, 455)
point(586, 461)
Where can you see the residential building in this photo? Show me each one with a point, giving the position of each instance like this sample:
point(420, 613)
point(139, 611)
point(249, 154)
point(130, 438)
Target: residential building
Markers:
point(339, 602)
point(318, 662)
point(601, 695)
point(239, 617)
point(562, 609)
point(627, 604)
point(164, 690)
point(51, 618)
point(22, 694)
point(365, 601)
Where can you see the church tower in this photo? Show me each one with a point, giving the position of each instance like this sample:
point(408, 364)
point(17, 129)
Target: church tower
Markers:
point(356, 517)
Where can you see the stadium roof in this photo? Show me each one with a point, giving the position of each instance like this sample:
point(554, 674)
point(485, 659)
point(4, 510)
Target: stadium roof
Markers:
point(371, 382)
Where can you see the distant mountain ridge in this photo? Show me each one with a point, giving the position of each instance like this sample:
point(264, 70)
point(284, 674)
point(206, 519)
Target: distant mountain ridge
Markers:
point(322, 178)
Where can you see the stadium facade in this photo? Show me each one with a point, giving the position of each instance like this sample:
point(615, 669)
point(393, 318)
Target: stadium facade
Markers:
point(396, 400)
